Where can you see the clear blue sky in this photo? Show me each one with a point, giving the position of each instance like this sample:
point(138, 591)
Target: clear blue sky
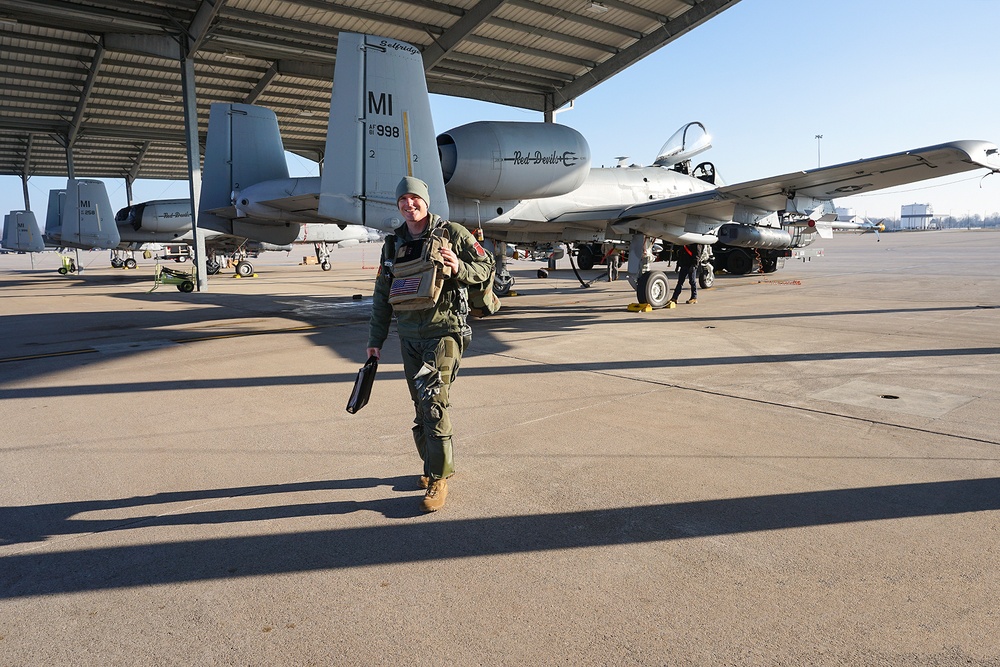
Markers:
point(765, 77)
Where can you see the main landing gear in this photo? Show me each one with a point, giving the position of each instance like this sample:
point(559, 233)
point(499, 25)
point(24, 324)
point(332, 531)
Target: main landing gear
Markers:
point(244, 269)
point(238, 260)
point(323, 256)
point(503, 282)
point(120, 260)
point(652, 287)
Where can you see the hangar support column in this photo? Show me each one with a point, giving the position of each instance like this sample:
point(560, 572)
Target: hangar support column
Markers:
point(194, 163)
point(182, 48)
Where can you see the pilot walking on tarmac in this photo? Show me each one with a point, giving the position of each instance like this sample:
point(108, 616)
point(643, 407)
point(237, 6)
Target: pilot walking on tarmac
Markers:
point(431, 340)
point(688, 259)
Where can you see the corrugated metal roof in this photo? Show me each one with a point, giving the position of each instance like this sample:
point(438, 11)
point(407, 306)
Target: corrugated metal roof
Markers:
point(103, 76)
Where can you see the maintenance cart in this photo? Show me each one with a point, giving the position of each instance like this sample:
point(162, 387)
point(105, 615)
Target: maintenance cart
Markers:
point(163, 275)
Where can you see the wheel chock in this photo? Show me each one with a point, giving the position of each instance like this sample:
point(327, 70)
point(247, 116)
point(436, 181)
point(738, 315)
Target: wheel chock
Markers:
point(512, 293)
point(640, 308)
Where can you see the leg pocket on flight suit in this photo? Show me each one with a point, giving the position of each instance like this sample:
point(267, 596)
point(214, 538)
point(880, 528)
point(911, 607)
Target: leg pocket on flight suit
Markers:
point(447, 357)
point(434, 380)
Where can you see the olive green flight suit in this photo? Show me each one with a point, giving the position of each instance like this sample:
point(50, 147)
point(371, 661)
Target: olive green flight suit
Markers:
point(432, 341)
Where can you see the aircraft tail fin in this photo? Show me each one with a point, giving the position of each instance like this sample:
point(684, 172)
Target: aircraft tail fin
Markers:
point(53, 215)
point(380, 130)
point(86, 217)
point(21, 233)
point(243, 147)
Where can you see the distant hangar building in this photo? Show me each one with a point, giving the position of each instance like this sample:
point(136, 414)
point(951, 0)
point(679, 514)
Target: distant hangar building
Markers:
point(916, 216)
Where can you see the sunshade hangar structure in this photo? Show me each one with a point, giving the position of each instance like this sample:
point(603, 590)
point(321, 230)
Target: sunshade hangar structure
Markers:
point(103, 88)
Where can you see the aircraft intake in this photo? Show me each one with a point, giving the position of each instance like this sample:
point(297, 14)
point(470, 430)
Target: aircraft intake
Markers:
point(745, 236)
point(513, 160)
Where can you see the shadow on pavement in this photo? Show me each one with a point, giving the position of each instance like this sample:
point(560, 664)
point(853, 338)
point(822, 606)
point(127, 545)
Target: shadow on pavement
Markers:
point(426, 538)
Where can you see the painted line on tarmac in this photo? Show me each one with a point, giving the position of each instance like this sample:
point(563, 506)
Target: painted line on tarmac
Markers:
point(48, 355)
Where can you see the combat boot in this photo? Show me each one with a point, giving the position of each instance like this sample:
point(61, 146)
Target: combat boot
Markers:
point(670, 304)
point(436, 494)
point(424, 481)
point(691, 301)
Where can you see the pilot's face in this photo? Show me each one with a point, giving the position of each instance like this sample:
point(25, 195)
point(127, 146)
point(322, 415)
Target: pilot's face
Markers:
point(413, 208)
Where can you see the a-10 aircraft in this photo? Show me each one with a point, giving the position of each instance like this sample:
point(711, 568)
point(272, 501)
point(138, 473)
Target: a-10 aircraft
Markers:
point(518, 182)
point(79, 217)
point(169, 221)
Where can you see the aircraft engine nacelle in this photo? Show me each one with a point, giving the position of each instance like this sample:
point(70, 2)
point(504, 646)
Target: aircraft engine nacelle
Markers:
point(513, 160)
point(166, 216)
point(745, 236)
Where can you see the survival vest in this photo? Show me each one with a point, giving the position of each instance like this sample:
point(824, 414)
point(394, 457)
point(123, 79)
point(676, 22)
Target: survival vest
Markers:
point(418, 272)
point(418, 275)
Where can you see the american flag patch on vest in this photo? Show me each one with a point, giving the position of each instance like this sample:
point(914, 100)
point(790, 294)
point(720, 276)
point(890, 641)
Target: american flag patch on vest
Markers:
point(405, 286)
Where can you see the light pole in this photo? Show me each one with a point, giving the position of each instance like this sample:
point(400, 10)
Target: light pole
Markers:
point(819, 162)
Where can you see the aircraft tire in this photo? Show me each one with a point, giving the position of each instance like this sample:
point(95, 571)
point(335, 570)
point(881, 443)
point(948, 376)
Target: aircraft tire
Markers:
point(117, 263)
point(186, 286)
point(706, 277)
point(652, 288)
point(212, 268)
point(585, 258)
point(326, 266)
point(502, 285)
point(739, 263)
point(244, 268)
point(130, 263)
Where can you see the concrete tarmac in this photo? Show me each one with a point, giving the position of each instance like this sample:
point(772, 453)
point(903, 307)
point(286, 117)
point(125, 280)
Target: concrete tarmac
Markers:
point(801, 469)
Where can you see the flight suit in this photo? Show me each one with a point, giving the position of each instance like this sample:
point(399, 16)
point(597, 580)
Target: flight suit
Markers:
point(432, 340)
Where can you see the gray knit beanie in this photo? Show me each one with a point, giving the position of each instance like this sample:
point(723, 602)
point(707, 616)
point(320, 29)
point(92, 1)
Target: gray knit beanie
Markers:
point(413, 186)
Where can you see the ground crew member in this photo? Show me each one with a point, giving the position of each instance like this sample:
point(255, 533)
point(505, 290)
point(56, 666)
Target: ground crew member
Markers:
point(432, 340)
point(688, 259)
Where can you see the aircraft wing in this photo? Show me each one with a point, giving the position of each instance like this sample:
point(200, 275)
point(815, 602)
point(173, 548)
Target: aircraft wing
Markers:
point(868, 175)
point(771, 194)
point(674, 211)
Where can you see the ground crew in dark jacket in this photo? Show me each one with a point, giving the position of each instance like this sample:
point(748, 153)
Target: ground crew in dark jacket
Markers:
point(431, 340)
point(688, 259)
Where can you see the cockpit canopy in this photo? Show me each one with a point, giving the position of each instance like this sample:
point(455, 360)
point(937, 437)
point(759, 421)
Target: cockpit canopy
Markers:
point(685, 143)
